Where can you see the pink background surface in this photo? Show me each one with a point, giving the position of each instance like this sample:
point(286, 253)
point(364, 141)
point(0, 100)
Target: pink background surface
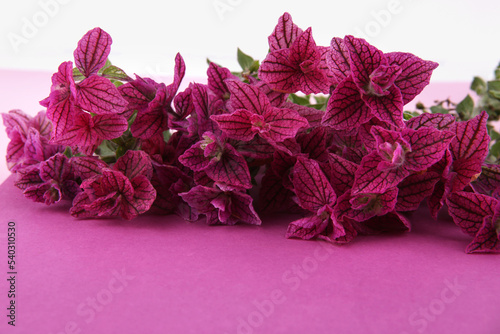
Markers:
point(159, 274)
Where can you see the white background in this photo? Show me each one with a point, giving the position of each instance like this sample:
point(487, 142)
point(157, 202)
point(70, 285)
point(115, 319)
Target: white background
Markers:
point(463, 36)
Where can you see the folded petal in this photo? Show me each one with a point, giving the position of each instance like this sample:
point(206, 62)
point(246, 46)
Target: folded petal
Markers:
point(133, 164)
point(307, 228)
point(487, 239)
point(469, 210)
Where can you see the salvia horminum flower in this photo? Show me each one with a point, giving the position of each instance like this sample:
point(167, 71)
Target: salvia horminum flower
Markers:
point(348, 160)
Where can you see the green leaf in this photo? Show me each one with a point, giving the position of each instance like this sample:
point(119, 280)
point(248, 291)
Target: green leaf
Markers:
point(494, 135)
point(300, 100)
point(466, 108)
point(77, 75)
point(67, 152)
point(255, 66)
point(439, 110)
point(244, 60)
point(494, 88)
point(407, 115)
point(478, 85)
point(495, 149)
point(106, 65)
point(116, 73)
point(166, 136)
point(497, 72)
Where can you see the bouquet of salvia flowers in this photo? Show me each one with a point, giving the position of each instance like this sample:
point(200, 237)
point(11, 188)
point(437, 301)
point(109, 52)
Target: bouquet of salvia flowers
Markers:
point(318, 130)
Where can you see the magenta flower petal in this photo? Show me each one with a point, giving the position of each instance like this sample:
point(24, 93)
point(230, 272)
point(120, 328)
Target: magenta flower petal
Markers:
point(245, 96)
point(415, 75)
point(133, 164)
point(284, 34)
point(369, 178)
point(338, 60)
point(28, 177)
point(367, 205)
point(230, 169)
point(112, 194)
point(312, 187)
point(237, 125)
point(61, 99)
point(414, 189)
point(489, 180)
point(87, 167)
point(56, 168)
point(469, 149)
point(280, 124)
point(138, 93)
point(437, 121)
point(217, 77)
point(312, 115)
point(364, 60)
point(15, 151)
point(16, 121)
point(92, 51)
point(274, 197)
point(109, 126)
point(144, 195)
point(345, 108)
point(487, 239)
point(42, 124)
point(194, 158)
point(307, 228)
point(341, 173)
point(179, 72)
point(222, 207)
point(313, 143)
point(469, 210)
point(99, 96)
point(428, 146)
point(43, 193)
point(296, 68)
point(387, 108)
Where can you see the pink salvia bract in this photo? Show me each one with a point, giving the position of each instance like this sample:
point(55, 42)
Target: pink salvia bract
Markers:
point(87, 132)
point(345, 108)
point(284, 34)
point(488, 182)
point(254, 114)
point(477, 215)
point(402, 153)
point(415, 73)
point(469, 150)
point(217, 77)
point(99, 95)
point(50, 181)
point(414, 189)
point(296, 68)
point(437, 121)
point(219, 160)
point(338, 60)
point(92, 51)
point(222, 207)
point(61, 101)
point(316, 195)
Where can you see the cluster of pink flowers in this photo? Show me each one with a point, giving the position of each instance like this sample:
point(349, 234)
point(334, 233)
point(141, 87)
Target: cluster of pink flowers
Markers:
point(119, 147)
